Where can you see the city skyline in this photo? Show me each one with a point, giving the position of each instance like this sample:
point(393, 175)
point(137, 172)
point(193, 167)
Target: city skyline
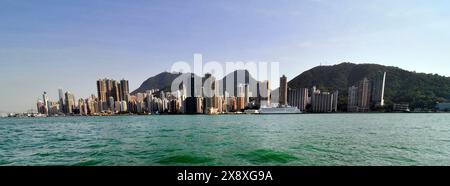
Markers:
point(113, 97)
point(116, 91)
point(52, 44)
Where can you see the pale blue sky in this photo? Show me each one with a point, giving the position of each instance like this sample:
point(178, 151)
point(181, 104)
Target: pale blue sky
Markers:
point(48, 44)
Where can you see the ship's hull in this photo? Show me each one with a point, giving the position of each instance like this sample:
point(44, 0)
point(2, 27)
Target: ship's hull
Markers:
point(282, 110)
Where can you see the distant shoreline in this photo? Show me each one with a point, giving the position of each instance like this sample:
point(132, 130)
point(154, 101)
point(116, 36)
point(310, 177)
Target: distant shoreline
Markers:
point(230, 114)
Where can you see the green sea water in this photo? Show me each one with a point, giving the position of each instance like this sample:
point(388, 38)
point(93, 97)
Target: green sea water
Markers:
point(305, 139)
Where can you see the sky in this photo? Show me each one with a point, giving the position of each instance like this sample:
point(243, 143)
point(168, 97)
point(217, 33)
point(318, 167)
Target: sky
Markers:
point(51, 44)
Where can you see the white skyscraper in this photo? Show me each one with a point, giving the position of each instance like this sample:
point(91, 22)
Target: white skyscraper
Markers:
point(378, 86)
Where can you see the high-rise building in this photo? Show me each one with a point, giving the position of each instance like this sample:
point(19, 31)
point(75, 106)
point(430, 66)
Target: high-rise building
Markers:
point(101, 90)
point(298, 98)
point(123, 106)
point(235, 83)
point(352, 101)
point(193, 104)
point(61, 100)
point(192, 87)
point(53, 107)
point(82, 107)
point(92, 105)
point(211, 89)
point(112, 89)
point(322, 102)
point(335, 101)
point(107, 88)
point(359, 97)
point(363, 100)
point(41, 107)
point(232, 104)
point(264, 93)
point(115, 90)
point(378, 86)
point(246, 95)
point(219, 104)
point(70, 103)
point(124, 90)
point(199, 105)
point(111, 103)
point(45, 100)
point(283, 91)
point(240, 103)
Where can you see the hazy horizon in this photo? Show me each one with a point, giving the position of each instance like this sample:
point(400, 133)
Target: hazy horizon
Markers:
point(52, 44)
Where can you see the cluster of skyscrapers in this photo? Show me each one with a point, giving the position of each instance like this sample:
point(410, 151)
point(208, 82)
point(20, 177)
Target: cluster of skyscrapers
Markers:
point(65, 104)
point(367, 94)
point(112, 97)
point(219, 100)
point(212, 97)
point(313, 100)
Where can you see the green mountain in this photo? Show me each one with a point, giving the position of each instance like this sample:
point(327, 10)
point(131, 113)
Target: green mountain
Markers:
point(420, 90)
point(161, 81)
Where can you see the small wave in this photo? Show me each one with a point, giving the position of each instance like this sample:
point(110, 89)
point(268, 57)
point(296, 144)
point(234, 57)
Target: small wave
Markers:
point(312, 148)
point(267, 156)
point(43, 154)
point(166, 130)
point(400, 159)
point(185, 159)
point(171, 150)
point(163, 136)
point(115, 142)
point(96, 146)
point(402, 148)
point(60, 139)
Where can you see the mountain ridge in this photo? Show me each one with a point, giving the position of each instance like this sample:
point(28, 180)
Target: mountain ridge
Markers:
point(163, 81)
point(420, 90)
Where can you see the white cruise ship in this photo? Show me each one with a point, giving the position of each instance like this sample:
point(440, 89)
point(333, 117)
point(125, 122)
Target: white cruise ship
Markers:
point(279, 110)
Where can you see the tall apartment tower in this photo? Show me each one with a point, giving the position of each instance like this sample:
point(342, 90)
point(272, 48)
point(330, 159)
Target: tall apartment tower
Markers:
point(108, 88)
point(363, 100)
point(115, 90)
point(246, 95)
point(378, 85)
point(298, 98)
point(192, 87)
point(335, 101)
point(70, 102)
point(322, 102)
point(61, 100)
point(264, 93)
point(352, 102)
point(211, 101)
point(101, 90)
point(283, 91)
point(45, 99)
point(112, 89)
point(192, 103)
point(124, 90)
